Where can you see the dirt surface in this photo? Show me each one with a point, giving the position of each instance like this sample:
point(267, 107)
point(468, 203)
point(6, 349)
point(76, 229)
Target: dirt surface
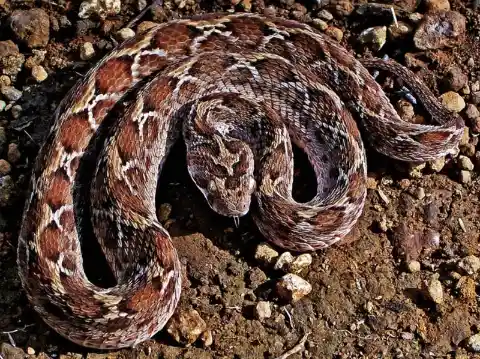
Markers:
point(405, 284)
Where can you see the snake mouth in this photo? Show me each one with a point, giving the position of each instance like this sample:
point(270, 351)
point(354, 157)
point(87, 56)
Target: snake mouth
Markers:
point(229, 209)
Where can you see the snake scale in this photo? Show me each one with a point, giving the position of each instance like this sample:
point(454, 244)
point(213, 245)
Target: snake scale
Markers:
point(239, 89)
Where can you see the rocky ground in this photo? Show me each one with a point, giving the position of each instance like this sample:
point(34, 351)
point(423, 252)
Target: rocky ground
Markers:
point(403, 286)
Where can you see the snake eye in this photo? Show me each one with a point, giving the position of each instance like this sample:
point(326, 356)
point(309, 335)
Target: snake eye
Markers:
point(235, 166)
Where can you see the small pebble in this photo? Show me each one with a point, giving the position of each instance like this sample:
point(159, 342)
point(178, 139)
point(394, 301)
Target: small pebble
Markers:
point(419, 193)
point(263, 310)
point(468, 150)
point(386, 181)
point(5, 167)
point(405, 110)
point(432, 5)
point(476, 97)
point(100, 8)
point(11, 61)
point(371, 183)
point(30, 351)
point(465, 139)
point(474, 343)
point(384, 224)
point(472, 111)
point(455, 79)
point(164, 211)
point(453, 101)
point(292, 288)
point(11, 93)
point(186, 326)
point(340, 8)
point(125, 34)
point(246, 4)
point(469, 264)
point(475, 86)
point(415, 171)
point(5, 80)
point(3, 105)
point(320, 24)
point(9, 351)
point(13, 154)
point(141, 4)
point(256, 277)
point(64, 21)
point(369, 307)
point(31, 26)
point(284, 261)
point(465, 177)
point(466, 288)
point(39, 73)
point(300, 263)
point(16, 111)
point(465, 163)
point(440, 29)
point(399, 30)
point(404, 183)
point(376, 36)
point(87, 51)
point(325, 15)
point(415, 17)
point(265, 253)
point(335, 33)
point(435, 290)
point(407, 336)
point(413, 266)
point(207, 338)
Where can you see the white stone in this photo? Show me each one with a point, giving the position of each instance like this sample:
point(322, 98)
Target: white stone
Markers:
point(469, 264)
point(265, 253)
point(263, 310)
point(474, 342)
point(300, 263)
point(292, 288)
point(284, 261)
point(87, 51)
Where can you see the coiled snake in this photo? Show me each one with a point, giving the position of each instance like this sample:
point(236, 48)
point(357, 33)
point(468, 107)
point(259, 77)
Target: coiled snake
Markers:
point(238, 87)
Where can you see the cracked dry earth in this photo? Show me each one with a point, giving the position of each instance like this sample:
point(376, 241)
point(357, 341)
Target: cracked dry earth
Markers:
point(404, 285)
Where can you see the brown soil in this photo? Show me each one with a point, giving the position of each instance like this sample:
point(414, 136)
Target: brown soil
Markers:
point(364, 303)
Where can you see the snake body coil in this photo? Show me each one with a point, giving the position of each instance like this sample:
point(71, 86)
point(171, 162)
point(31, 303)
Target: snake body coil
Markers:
point(238, 88)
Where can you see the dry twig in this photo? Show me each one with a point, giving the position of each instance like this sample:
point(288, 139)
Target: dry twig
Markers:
point(297, 348)
point(394, 16)
point(290, 319)
point(143, 12)
point(10, 332)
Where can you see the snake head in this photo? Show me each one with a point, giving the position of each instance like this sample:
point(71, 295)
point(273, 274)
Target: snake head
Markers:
point(223, 170)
